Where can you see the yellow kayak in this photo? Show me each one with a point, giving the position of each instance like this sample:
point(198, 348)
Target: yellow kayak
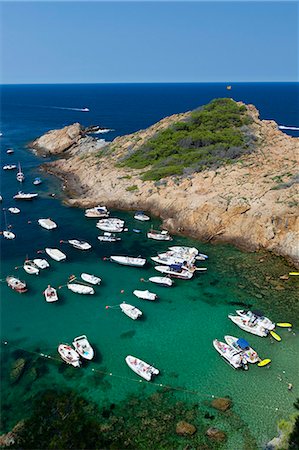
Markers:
point(275, 336)
point(265, 362)
point(284, 324)
point(294, 273)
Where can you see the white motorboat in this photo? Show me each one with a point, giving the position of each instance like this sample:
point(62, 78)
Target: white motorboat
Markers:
point(30, 267)
point(41, 263)
point(69, 355)
point(50, 294)
point(162, 281)
point(48, 224)
point(55, 254)
point(145, 295)
point(159, 235)
point(90, 278)
point(80, 288)
point(184, 249)
point(241, 345)
point(234, 357)
point(20, 176)
point(10, 151)
point(9, 167)
point(16, 284)
point(256, 316)
point(80, 245)
point(175, 271)
point(109, 237)
point(23, 196)
point(14, 210)
point(97, 212)
point(130, 311)
point(246, 325)
point(142, 368)
point(9, 235)
point(113, 225)
point(128, 261)
point(139, 215)
point(37, 181)
point(83, 347)
point(169, 259)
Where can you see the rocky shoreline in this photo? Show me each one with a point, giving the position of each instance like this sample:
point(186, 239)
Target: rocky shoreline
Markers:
point(252, 203)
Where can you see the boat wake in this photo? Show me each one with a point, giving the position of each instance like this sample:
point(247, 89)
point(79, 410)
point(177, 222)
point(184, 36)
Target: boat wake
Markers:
point(283, 127)
point(67, 108)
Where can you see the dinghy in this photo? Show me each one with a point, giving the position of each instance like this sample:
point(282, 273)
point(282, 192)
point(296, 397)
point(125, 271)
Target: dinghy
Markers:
point(23, 196)
point(14, 210)
point(140, 367)
point(9, 235)
point(256, 316)
point(97, 212)
point(41, 263)
point(90, 278)
point(50, 294)
point(30, 267)
point(159, 235)
point(9, 167)
point(130, 311)
point(80, 288)
point(37, 181)
point(16, 284)
point(234, 357)
point(80, 245)
point(242, 346)
point(145, 295)
point(128, 261)
point(10, 151)
point(175, 271)
point(83, 347)
point(69, 355)
point(55, 254)
point(139, 215)
point(108, 237)
point(48, 224)
point(246, 325)
point(162, 281)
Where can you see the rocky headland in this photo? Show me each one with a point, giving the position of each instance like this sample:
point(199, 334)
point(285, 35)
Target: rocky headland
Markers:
point(251, 202)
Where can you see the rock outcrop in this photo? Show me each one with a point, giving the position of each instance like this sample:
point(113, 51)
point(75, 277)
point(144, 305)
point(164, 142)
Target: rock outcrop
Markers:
point(17, 369)
point(215, 434)
point(221, 403)
point(10, 438)
point(252, 203)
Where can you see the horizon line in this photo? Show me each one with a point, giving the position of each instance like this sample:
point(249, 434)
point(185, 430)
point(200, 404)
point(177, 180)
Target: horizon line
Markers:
point(146, 82)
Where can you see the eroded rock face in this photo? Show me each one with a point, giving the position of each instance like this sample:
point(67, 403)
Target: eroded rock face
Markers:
point(57, 141)
point(222, 404)
point(185, 429)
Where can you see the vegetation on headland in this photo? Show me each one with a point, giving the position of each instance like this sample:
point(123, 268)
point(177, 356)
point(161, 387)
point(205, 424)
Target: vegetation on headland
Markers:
point(213, 135)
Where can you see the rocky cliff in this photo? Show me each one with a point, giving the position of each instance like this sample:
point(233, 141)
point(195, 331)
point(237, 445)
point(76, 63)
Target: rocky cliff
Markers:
point(252, 203)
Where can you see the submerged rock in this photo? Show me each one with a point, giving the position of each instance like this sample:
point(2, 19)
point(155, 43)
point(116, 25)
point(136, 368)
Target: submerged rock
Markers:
point(216, 435)
point(221, 403)
point(17, 369)
point(185, 429)
point(10, 438)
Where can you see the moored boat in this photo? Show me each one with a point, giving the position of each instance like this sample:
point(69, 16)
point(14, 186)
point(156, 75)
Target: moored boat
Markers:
point(69, 355)
point(48, 224)
point(159, 235)
point(80, 288)
point(130, 310)
point(243, 346)
point(50, 294)
point(16, 284)
point(13, 210)
point(234, 357)
point(9, 167)
point(92, 279)
point(55, 254)
point(25, 196)
point(139, 215)
point(175, 271)
point(141, 368)
point(10, 151)
point(20, 175)
point(162, 281)
point(97, 212)
point(246, 325)
point(41, 263)
point(129, 261)
point(113, 225)
point(83, 347)
point(30, 267)
point(256, 316)
point(80, 245)
point(109, 237)
point(9, 234)
point(37, 181)
point(145, 295)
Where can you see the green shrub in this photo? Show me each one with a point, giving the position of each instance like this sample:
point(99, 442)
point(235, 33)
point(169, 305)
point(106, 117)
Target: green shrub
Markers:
point(134, 187)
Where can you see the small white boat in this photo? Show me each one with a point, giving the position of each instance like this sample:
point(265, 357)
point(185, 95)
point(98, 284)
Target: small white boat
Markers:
point(20, 176)
point(246, 325)
point(168, 260)
point(69, 355)
point(48, 224)
point(145, 295)
point(9, 167)
point(256, 316)
point(10, 151)
point(130, 311)
point(109, 237)
point(41, 263)
point(175, 271)
point(113, 225)
point(9, 235)
point(140, 367)
point(162, 281)
point(14, 210)
point(83, 347)
point(80, 245)
point(241, 345)
point(184, 249)
point(97, 212)
point(90, 278)
point(55, 254)
point(159, 235)
point(234, 357)
point(80, 288)
point(128, 261)
point(139, 215)
point(30, 267)
point(16, 284)
point(37, 181)
point(50, 294)
point(23, 196)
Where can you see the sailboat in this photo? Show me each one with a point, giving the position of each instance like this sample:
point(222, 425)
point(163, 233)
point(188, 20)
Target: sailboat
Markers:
point(7, 233)
point(20, 175)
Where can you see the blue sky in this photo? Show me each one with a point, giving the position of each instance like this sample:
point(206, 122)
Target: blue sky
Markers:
point(94, 42)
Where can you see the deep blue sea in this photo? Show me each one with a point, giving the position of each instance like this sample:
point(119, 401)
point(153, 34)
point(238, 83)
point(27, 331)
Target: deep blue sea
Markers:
point(177, 331)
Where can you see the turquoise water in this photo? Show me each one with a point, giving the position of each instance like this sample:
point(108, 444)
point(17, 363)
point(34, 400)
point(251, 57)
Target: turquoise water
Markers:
point(175, 333)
